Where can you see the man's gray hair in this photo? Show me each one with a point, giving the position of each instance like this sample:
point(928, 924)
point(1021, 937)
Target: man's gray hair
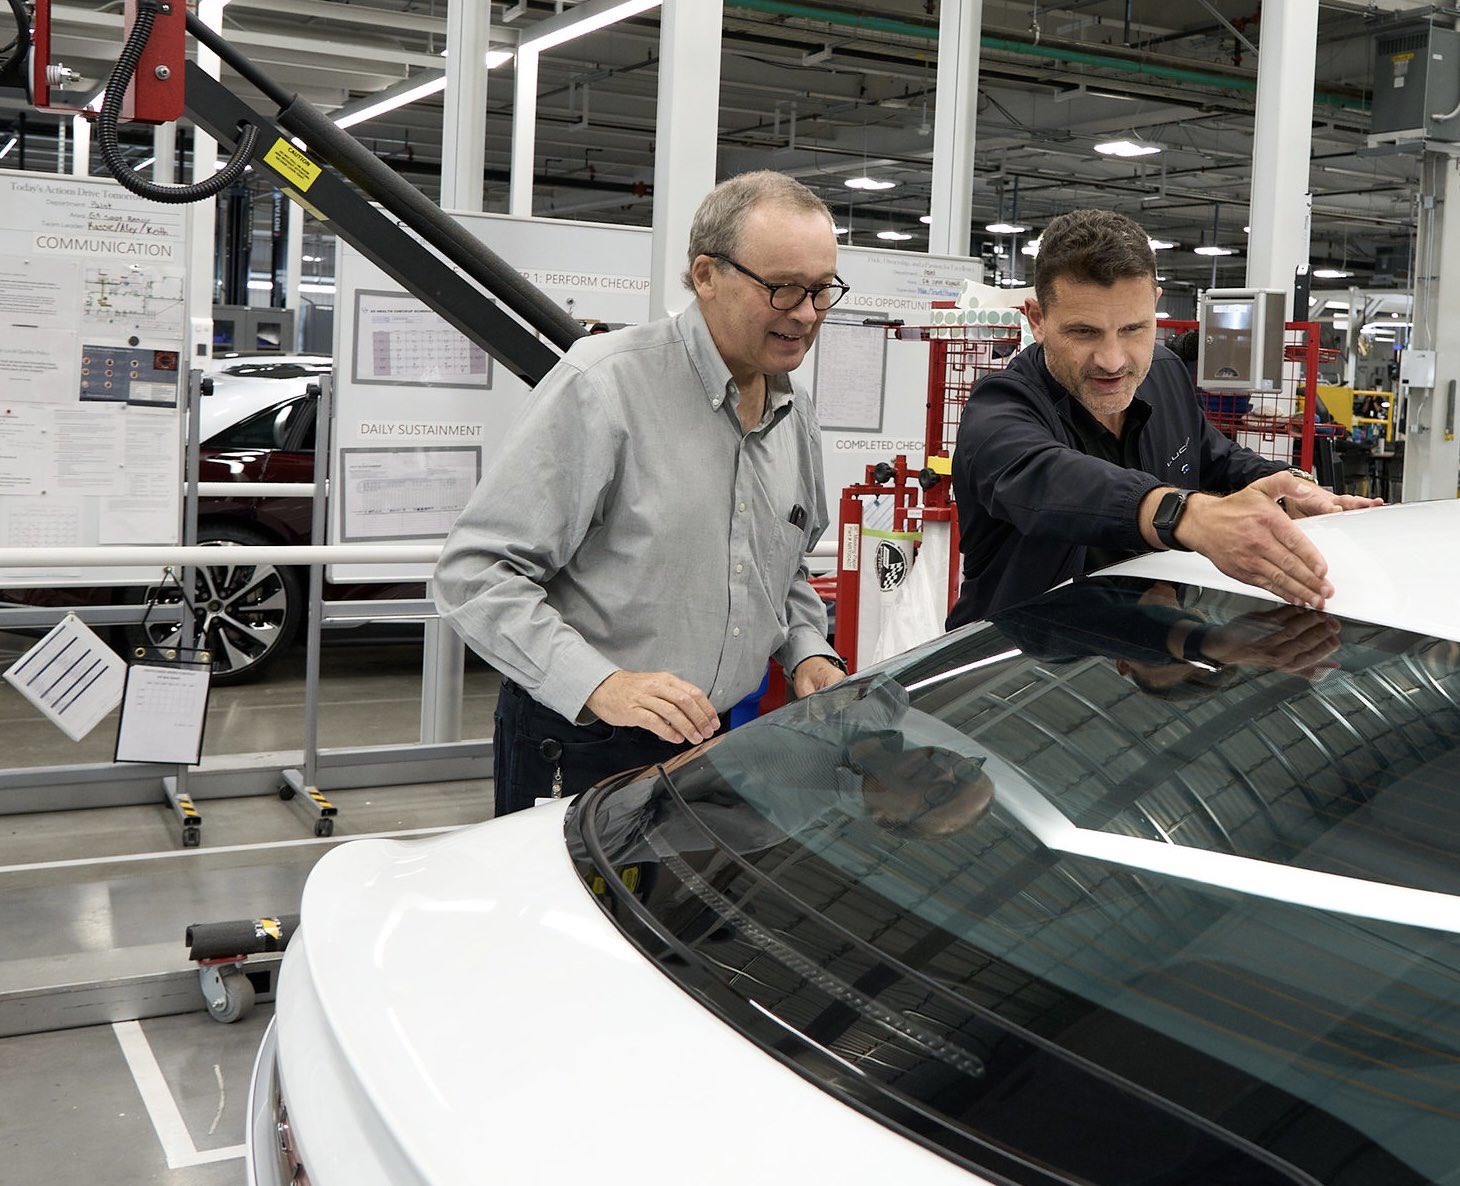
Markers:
point(721, 217)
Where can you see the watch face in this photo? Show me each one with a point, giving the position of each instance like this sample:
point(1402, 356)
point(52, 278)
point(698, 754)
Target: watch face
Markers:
point(1169, 510)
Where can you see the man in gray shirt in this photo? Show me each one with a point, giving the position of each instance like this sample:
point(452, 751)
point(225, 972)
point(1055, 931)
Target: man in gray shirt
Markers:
point(635, 554)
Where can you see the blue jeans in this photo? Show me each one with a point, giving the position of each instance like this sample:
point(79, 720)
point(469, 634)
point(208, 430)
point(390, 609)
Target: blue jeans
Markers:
point(537, 754)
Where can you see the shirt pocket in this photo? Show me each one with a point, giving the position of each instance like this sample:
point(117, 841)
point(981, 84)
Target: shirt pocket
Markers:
point(787, 547)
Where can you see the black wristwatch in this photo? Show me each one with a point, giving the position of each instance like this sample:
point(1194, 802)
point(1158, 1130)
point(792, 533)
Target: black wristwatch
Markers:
point(1168, 514)
point(1191, 647)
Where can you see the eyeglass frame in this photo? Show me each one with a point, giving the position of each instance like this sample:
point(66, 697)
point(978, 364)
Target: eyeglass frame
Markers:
point(771, 289)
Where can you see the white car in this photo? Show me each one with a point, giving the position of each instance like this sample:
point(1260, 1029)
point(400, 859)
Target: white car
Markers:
point(1206, 931)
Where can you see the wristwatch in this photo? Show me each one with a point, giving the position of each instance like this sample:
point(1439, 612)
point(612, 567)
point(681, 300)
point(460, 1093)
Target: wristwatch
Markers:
point(1168, 514)
point(1299, 472)
point(1191, 648)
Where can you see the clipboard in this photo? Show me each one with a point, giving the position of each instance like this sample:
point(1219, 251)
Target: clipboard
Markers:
point(164, 707)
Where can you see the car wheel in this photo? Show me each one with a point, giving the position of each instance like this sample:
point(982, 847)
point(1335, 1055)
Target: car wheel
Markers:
point(246, 615)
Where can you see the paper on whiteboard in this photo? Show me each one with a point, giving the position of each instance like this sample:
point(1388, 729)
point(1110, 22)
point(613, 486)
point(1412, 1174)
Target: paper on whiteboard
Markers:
point(73, 677)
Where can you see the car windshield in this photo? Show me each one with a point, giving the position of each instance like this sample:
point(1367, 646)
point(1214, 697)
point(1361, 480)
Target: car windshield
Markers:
point(1138, 883)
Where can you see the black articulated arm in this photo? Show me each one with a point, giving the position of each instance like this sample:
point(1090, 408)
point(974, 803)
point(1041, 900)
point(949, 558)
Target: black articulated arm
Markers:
point(383, 240)
point(330, 174)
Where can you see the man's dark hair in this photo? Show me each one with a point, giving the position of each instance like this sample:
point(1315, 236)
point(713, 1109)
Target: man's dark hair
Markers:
point(1091, 247)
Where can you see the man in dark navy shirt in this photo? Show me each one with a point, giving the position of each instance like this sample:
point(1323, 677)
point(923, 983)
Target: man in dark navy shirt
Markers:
point(1091, 446)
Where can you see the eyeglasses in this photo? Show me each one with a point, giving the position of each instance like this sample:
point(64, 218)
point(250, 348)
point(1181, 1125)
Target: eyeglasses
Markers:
point(785, 297)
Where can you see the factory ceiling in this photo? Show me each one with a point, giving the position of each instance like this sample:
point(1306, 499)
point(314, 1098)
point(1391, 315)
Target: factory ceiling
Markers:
point(834, 90)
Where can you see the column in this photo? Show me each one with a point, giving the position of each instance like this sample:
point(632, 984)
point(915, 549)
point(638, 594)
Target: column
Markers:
point(687, 131)
point(464, 115)
point(1279, 211)
point(954, 127)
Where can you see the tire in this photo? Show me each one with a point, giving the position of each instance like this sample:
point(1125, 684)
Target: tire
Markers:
point(238, 999)
point(247, 616)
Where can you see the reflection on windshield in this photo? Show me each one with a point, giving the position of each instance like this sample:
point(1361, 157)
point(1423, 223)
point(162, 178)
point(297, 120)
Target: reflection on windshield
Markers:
point(1080, 845)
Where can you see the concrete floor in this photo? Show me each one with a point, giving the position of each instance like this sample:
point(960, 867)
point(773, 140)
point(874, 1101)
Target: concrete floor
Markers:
point(104, 895)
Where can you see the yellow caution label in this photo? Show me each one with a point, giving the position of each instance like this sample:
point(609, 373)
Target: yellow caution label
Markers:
point(291, 164)
point(941, 465)
point(269, 927)
point(1401, 57)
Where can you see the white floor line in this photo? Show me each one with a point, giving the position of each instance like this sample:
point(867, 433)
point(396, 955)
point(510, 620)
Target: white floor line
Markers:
point(167, 1122)
point(173, 854)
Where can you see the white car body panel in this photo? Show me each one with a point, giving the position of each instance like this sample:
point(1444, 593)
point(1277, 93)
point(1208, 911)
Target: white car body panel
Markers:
point(1370, 555)
point(412, 1053)
point(460, 1009)
point(236, 397)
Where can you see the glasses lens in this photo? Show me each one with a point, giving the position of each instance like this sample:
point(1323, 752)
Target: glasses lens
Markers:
point(824, 298)
point(786, 297)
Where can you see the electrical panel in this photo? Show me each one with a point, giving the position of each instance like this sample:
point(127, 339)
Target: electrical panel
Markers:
point(1241, 336)
point(1416, 85)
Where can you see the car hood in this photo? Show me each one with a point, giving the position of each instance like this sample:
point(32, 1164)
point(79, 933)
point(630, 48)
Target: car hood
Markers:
point(1371, 564)
point(460, 1009)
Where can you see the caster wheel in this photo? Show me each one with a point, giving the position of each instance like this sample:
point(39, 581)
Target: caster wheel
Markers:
point(237, 998)
point(286, 792)
point(324, 827)
point(192, 837)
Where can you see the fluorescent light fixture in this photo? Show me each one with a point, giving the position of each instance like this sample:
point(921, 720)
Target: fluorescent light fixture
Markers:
point(841, 230)
point(1030, 248)
point(926, 219)
point(1011, 282)
point(9, 147)
point(1127, 148)
point(1213, 249)
point(1161, 244)
point(430, 82)
point(1318, 273)
point(894, 236)
point(586, 18)
point(868, 183)
point(1006, 228)
point(318, 289)
point(494, 57)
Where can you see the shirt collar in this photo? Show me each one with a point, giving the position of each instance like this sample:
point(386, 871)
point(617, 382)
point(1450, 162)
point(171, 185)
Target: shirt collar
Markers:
point(715, 375)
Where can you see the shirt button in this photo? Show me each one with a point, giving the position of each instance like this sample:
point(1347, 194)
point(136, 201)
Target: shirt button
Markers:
point(740, 506)
point(740, 568)
point(736, 632)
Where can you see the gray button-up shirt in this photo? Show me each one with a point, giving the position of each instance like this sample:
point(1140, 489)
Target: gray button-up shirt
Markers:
point(628, 523)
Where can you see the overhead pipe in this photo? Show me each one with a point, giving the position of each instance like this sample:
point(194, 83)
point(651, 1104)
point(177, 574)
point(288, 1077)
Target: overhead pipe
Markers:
point(1044, 49)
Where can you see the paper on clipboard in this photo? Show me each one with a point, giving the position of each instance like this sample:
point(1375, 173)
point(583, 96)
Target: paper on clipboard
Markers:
point(71, 676)
point(163, 709)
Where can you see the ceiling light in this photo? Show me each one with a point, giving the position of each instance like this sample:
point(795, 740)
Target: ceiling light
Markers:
point(926, 219)
point(1005, 228)
point(1030, 248)
point(431, 82)
point(1213, 249)
point(894, 236)
point(9, 145)
point(1011, 282)
point(586, 18)
point(841, 230)
point(1321, 273)
point(1161, 244)
point(868, 183)
point(1127, 148)
point(494, 57)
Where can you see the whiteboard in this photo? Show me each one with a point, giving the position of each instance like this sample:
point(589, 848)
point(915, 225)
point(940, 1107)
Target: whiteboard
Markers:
point(597, 272)
point(93, 367)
